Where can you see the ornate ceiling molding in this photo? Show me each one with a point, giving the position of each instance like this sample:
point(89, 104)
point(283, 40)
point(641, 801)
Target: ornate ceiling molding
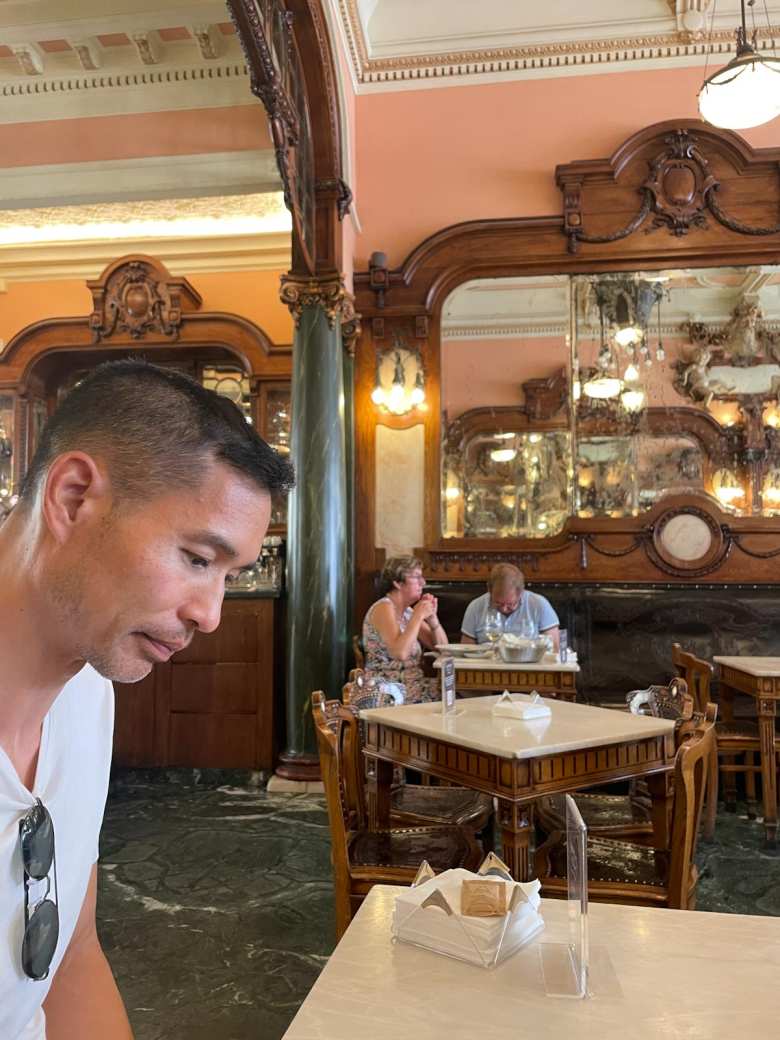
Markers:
point(684, 43)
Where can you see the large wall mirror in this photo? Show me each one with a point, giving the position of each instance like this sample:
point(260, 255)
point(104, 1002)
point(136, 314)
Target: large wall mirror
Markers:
point(598, 395)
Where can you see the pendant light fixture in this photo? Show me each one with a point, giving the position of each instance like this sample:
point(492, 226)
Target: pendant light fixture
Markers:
point(746, 92)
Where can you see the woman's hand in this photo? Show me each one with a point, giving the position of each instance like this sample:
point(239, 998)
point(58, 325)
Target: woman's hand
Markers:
point(425, 607)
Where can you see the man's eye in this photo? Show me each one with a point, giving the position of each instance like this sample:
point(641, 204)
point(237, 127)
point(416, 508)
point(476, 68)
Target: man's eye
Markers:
point(198, 561)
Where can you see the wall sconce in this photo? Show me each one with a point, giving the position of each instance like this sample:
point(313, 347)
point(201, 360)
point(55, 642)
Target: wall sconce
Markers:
point(399, 385)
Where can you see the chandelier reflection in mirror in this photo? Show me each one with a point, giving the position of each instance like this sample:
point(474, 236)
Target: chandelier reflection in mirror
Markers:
point(617, 310)
point(399, 385)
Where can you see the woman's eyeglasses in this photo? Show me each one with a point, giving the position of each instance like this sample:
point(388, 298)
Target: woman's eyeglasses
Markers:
point(41, 918)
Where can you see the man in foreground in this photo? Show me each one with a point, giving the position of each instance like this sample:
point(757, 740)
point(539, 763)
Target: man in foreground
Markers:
point(146, 495)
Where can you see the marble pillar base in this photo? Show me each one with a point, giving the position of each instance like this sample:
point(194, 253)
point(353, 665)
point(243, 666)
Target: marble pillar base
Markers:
point(298, 767)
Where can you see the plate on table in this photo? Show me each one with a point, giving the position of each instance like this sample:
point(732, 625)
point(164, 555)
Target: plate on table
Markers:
point(466, 649)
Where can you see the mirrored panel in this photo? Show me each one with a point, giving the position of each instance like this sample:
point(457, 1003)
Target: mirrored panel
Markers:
point(505, 408)
point(626, 388)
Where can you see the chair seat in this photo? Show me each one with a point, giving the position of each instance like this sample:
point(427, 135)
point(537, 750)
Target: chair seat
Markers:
point(458, 806)
point(611, 860)
point(442, 847)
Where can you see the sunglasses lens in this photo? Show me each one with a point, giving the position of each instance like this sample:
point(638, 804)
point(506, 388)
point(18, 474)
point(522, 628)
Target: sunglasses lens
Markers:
point(40, 940)
point(36, 832)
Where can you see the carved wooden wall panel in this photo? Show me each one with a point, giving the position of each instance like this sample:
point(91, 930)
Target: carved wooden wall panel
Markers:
point(677, 194)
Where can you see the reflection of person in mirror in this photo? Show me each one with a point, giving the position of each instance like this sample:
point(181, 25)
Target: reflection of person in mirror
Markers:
point(131, 520)
point(525, 613)
point(395, 627)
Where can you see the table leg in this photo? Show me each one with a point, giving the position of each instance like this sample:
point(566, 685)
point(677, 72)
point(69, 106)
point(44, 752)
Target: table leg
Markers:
point(515, 823)
point(766, 727)
point(661, 788)
point(379, 792)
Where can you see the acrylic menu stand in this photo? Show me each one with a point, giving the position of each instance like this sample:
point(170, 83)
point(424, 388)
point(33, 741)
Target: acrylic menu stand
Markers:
point(565, 965)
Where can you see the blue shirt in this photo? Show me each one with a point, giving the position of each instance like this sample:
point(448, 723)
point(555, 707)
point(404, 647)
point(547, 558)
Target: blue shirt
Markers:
point(534, 614)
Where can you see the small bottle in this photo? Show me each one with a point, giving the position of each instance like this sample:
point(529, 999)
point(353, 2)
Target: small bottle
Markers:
point(563, 646)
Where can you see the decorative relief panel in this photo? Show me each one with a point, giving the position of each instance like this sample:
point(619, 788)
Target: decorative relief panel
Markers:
point(136, 297)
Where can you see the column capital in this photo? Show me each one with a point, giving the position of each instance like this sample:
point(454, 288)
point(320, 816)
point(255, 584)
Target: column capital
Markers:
point(329, 293)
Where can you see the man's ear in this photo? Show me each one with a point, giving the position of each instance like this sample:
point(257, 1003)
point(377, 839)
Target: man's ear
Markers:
point(76, 489)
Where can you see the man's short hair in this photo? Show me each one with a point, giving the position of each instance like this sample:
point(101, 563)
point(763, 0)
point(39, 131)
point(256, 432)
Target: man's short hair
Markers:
point(156, 429)
point(504, 575)
point(395, 570)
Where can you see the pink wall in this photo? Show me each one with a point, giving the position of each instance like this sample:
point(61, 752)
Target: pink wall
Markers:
point(127, 137)
point(478, 373)
point(430, 158)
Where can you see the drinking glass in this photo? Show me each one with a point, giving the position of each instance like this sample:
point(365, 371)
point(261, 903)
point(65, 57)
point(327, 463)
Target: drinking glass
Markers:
point(494, 625)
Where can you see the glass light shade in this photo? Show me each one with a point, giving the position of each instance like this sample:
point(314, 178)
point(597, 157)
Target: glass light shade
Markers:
point(452, 493)
point(397, 400)
point(744, 93)
point(503, 454)
point(631, 374)
point(628, 335)
point(633, 400)
point(417, 395)
point(378, 395)
point(602, 387)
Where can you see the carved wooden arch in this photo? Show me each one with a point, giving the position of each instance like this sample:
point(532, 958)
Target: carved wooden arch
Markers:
point(308, 34)
point(139, 305)
point(739, 207)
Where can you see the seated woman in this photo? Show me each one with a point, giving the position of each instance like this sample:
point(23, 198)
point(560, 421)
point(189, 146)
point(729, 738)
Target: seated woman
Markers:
point(396, 625)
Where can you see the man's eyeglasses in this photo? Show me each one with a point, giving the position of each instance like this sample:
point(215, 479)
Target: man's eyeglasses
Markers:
point(41, 918)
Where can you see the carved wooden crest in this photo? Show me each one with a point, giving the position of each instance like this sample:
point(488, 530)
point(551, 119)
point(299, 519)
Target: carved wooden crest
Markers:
point(679, 170)
point(135, 296)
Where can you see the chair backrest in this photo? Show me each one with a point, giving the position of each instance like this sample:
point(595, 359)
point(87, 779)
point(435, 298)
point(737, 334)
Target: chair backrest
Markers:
point(691, 767)
point(696, 672)
point(662, 702)
point(339, 747)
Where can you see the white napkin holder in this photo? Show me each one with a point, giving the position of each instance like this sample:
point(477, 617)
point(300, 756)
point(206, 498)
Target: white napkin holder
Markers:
point(428, 915)
point(521, 706)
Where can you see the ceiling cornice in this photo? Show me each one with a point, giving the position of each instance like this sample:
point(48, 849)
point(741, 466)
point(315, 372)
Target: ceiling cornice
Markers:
point(680, 46)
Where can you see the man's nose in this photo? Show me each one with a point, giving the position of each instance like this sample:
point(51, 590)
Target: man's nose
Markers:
point(204, 609)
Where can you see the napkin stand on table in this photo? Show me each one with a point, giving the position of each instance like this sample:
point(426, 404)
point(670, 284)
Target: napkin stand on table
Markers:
point(428, 915)
point(522, 707)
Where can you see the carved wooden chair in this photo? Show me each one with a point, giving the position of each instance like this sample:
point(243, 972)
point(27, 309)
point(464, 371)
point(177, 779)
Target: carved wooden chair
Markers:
point(625, 872)
point(738, 745)
point(416, 805)
point(623, 815)
point(363, 858)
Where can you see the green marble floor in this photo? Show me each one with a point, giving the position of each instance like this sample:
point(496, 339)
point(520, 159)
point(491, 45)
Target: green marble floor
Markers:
point(215, 901)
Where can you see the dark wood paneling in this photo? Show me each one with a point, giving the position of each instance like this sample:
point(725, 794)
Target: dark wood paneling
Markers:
point(134, 722)
point(212, 741)
point(193, 703)
point(216, 687)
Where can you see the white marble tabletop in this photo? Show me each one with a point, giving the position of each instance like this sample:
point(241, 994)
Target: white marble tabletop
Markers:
point(549, 663)
point(766, 667)
point(656, 975)
point(569, 727)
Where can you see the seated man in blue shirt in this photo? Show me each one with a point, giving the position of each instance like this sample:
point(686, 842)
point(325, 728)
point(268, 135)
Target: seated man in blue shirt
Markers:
point(524, 613)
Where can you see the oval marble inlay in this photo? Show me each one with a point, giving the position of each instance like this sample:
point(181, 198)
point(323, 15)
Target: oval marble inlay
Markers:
point(687, 537)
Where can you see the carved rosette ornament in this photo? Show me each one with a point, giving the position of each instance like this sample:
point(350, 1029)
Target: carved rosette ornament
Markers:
point(298, 292)
point(137, 296)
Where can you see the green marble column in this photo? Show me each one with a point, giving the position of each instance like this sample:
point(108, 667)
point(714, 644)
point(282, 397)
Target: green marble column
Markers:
point(317, 575)
point(349, 440)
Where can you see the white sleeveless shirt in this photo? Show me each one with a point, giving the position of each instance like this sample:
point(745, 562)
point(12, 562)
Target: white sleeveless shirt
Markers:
point(72, 782)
